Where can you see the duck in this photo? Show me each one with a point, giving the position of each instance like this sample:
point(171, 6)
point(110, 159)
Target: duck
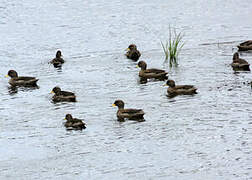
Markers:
point(74, 123)
point(245, 46)
point(58, 60)
point(60, 96)
point(21, 80)
point(239, 64)
point(174, 90)
point(132, 52)
point(145, 73)
point(130, 114)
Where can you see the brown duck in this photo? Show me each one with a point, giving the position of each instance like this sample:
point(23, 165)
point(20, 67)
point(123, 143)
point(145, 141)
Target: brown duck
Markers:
point(239, 64)
point(60, 96)
point(21, 80)
point(58, 60)
point(74, 123)
point(145, 73)
point(131, 114)
point(132, 52)
point(174, 90)
point(245, 46)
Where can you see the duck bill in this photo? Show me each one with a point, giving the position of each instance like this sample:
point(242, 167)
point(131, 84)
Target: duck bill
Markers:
point(137, 66)
point(52, 92)
point(165, 85)
point(113, 105)
point(7, 76)
point(127, 49)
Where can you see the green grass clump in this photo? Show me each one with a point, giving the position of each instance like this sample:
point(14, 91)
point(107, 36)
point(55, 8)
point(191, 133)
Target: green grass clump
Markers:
point(173, 46)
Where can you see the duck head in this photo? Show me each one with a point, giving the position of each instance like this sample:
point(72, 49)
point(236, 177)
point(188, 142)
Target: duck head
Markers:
point(69, 117)
point(235, 56)
point(58, 54)
point(56, 90)
point(12, 74)
point(119, 104)
point(131, 47)
point(142, 65)
point(170, 83)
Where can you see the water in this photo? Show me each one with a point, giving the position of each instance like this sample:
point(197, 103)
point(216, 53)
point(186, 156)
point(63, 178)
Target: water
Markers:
point(206, 136)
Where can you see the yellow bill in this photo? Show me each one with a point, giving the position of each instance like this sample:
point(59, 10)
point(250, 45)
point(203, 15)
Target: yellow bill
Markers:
point(137, 66)
point(52, 92)
point(113, 105)
point(6, 75)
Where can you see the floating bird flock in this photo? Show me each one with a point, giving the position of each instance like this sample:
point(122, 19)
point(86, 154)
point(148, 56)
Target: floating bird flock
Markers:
point(144, 74)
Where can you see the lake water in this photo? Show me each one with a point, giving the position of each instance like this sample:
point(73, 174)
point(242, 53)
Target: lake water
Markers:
point(205, 136)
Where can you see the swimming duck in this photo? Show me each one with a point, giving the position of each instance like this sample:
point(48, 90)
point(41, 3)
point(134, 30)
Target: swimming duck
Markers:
point(58, 60)
point(239, 64)
point(245, 46)
point(21, 80)
point(74, 123)
point(132, 52)
point(145, 74)
point(60, 96)
point(131, 114)
point(174, 90)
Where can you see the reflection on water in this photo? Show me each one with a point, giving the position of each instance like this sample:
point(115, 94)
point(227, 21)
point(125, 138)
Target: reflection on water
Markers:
point(205, 136)
point(14, 89)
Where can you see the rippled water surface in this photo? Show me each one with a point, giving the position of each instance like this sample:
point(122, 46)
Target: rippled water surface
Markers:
point(205, 136)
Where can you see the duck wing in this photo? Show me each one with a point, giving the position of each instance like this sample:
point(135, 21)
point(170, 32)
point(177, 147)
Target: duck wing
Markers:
point(23, 81)
point(132, 111)
point(246, 43)
point(75, 120)
point(184, 86)
point(57, 60)
point(64, 96)
point(153, 73)
point(61, 98)
point(244, 48)
point(134, 55)
point(78, 123)
point(187, 91)
point(67, 93)
point(238, 66)
point(24, 78)
point(242, 61)
point(131, 114)
point(153, 70)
